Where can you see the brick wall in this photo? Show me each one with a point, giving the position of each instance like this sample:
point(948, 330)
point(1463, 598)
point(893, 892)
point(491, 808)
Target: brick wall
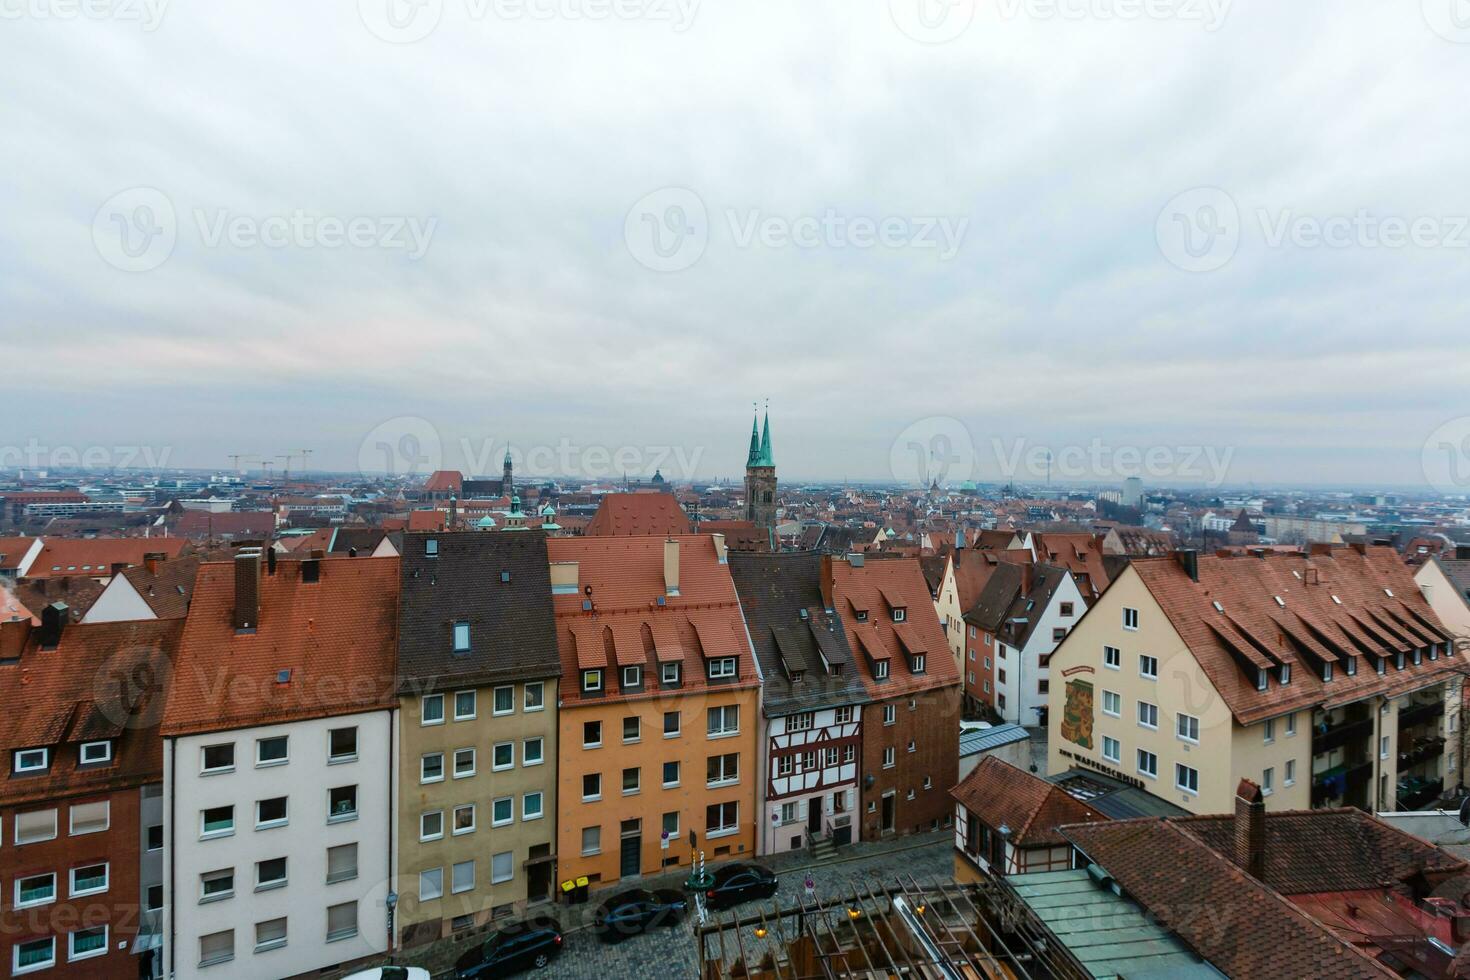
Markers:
point(932, 724)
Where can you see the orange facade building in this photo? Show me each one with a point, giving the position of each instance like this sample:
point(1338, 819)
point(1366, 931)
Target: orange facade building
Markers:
point(660, 702)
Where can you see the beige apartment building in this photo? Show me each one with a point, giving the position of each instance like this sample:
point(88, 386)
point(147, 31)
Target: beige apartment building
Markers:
point(476, 780)
point(1323, 676)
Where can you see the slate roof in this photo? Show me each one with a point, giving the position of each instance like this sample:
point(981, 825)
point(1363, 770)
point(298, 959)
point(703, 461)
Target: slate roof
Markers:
point(1242, 927)
point(336, 636)
point(774, 590)
point(639, 513)
point(1000, 794)
point(512, 636)
point(1457, 570)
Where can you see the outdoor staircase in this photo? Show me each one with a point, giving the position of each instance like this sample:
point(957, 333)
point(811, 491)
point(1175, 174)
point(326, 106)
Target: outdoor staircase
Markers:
point(823, 849)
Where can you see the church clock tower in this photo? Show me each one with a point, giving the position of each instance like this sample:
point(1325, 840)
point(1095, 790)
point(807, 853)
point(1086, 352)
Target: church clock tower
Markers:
point(760, 479)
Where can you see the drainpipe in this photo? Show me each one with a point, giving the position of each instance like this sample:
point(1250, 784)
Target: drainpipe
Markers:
point(173, 891)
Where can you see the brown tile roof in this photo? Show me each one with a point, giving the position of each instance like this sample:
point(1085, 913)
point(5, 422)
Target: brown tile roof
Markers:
point(338, 637)
point(1331, 850)
point(627, 578)
point(441, 481)
point(639, 513)
point(12, 550)
point(739, 535)
point(1241, 926)
point(427, 520)
point(902, 581)
point(94, 557)
point(1252, 628)
point(1002, 795)
point(168, 587)
point(1080, 554)
point(236, 524)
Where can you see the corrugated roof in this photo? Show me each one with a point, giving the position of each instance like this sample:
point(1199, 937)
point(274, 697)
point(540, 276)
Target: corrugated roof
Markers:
point(986, 739)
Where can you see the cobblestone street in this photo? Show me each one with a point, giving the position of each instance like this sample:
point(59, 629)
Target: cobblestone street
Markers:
point(671, 953)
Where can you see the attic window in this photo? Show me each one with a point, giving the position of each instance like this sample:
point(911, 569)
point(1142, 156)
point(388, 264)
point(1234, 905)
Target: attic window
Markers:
point(1218, 608)
point(32, 760)
point(1326, 671)
point(505, 576)
point(1337, 600)
point(1352, 666)
point(862, 616)
point(283, 676)
point(900, 614)
point(461, 637)
point(1279, 601)
point(1417, 657)
point(1388, 592)
point(431, 547)
point(1261, 679)
point(1286, 673)
point(1399, 662)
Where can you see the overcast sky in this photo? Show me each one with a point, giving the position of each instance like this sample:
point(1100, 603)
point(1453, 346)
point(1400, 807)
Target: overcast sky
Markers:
point(1202, 229)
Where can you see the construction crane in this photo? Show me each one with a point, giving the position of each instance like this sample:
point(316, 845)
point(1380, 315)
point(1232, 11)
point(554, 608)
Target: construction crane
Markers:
point(235, 461)
point(287, 457)
point(305, 455)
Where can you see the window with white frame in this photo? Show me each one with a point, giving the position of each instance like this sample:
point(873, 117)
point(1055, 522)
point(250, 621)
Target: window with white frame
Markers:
point(532, 806)
point(341, 921)
point(465, 707)
point(533, 751)
point(843, 715)
point(217, 758)
point(273, 751)
point(880, 670)
point(341, 863)
point(721, 667)
point(1112, 704)
point(1148, 764)
point(217, 947)
point(502, 811)
point(1268, 781)
point(461, 637)
point(431, 767)
point(722, 770)
point(431, 884)
point(1113, 658)
point(431, 709)
point(503, 756)
point(341, 804)
point(90, 818)
point(216, 885)
point(431, 825)
point(270, 873)
point(632, 729)
point(785, 765)
point(669, 673)
point(632, 677)
point(502, 867)
point(591, 840)
point(721, 819)
point(1289, 776)
point(890, 714)
point(1187, 727)
point(591, 786)
point(89, 879)
point(95, 753)
point(33, 890)
point(889, 757)
point(1148, 667)
point(31, 760)
point(464, 819)
point(1270, 731)
point(216, 821)
point(1148, 714)
point(591, 681)
point(1291, 723)
point(32, 955)
point(464, 763)
point(535, 696)
point(1186, 778)
point(632, 780)
point(462, 877)
point(800, 722)
point(504, 700)
point(1130, 618)
point(341, 745)
point(270, 934)
point(83, 944)
point(723, 720)
point(1111, 750)
point(270, 813)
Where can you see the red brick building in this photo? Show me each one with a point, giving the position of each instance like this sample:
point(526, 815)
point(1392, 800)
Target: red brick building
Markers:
point(910, 756)
point(80, 809)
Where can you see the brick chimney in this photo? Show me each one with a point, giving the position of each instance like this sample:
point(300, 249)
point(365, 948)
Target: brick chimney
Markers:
point(151, 561)
point(53, 622)
point(1250, 829)
point(671, 566)
point(1188, 560)
point(247, 589)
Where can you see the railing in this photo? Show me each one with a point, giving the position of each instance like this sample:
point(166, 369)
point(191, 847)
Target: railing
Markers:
point(1415, 714)
point(1336, 736)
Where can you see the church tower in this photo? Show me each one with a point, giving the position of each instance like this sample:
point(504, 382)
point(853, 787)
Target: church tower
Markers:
point(507, 484)
point(760, 479)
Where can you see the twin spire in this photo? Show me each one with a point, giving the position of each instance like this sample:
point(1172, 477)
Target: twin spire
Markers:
point(760, 443)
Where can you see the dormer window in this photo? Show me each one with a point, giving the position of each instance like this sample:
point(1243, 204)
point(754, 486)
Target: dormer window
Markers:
point(669, 673)
point(1417, 660)
point(721, 667)
point(632, 677)
point(917, 664)
point(1286, 673)
point(431, 547)
point(797, 675)
point(1399, 662)
point(462, 637)
point(861, 615)
point(1261, 679)
point(95, 753)
point(900, 614)
point(591, 681)
point(880, 670)
point(1382, 665)
point(1352, 666)
point(1326, 671)
point(31, 760)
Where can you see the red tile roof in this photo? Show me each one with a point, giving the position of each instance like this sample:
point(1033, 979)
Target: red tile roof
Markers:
point(241, 524)
point(338, 637)
point(12, 550)
point(901, 581)
point(441, 481)
point(639, 513)
point(427, 520)
point(1002, 795)
point(94, 557)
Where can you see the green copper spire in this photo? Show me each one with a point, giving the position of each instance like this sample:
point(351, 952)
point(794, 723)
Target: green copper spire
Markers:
point(765, 454)
point(753, 459)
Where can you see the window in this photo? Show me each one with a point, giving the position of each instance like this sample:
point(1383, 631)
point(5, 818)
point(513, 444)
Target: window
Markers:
point(502, 811)
point(591, 840)
point(1113, 658)
point(342, 863)
point(669, 673)
point(502, 867)
point(217, 758)
point(1148, 714)
point(431, 825)
point(86, 943)
point(35, 890)
point(505, 700)
point(632, 677)
point(462, 877)
point(591, 681)
point(843, 715)
point(461, 637)
point(671, 772)
point(270, 934)
point(1291, 724)
point(90, 879)
point(808, 761)
point(591, 734)
point(790, 812)
point(721, 770)
point(917, 664)
point(464, 763)
point(1270, 730)
point(880, 670)
point(888, 757)
point(271, 751)
point(95, 753)
point(217, 947)
point(533, 752)
point(1148, 764)
point(671, 823)
point(90, 818)
point(671, 724)
point(1187, 778)
point(464, 705)
point(1148, 667)
point(1066, 609)
point(900, 614)
point(849, 753)
point(1187, 727)
point(1112, 704)
point(800, 722)
point(270, 813)
point(1058, 634)
point(1383, 747)
point(724, 721)
point(632, 780)
point(1286, 672)
point(502, 756)
point(342, 744)
point(270, 874)
point(33, 954)
point(535, 697)
point(532, 806)
point(890, 714)
point(1130, 618)
point(154, 901)
point(1268, 781)
point(217, 821)
point(341, 921)
point(785, 765)
point(1289, 778)
point(155, 837)
point(1111, 750)
point(432, 709)
point(721, 667)
point(464, 819)
point(215, 885)
point(631, 729)
point(431, 884)
point(592, 786)
point(721, 819)
point(431, 767)
point(431, 548)
point(341, 803)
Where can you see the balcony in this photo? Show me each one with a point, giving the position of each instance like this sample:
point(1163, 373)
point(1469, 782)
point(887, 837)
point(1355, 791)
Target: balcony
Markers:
point(1416, 750)
point(1417, 714)
point(1325, 739)
point(1415, 793)
point(1340, 782)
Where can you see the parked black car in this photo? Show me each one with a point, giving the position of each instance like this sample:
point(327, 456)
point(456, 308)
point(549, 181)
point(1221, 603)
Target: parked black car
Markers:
point(530, 945)
point(736, 883)
point(637, 910)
